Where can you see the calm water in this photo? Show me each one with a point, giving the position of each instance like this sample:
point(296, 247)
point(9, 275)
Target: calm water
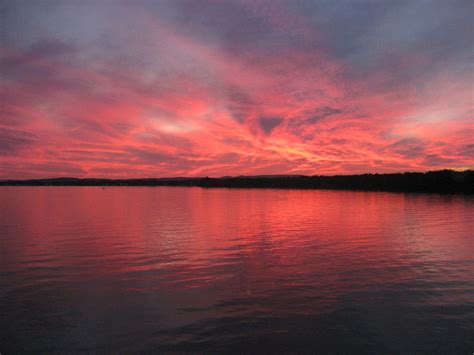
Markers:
point(215, 270)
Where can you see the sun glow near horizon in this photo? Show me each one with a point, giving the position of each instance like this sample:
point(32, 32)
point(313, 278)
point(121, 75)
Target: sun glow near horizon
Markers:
point(215, 88)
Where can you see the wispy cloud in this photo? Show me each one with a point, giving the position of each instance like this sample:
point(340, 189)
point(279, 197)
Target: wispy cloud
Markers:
point(167, 88)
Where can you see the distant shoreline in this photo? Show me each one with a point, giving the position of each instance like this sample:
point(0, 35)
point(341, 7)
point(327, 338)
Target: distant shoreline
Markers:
point(442, 181)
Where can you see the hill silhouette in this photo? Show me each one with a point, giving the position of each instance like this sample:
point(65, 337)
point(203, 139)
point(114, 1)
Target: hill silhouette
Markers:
point(442, 181)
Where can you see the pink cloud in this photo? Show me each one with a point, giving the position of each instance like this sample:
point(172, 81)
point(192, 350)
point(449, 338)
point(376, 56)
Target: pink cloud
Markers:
point(201, 109)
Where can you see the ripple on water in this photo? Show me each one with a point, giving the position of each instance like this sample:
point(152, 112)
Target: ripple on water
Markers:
point(156, 269)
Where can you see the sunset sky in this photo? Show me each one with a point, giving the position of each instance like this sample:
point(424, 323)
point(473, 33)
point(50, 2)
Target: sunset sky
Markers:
point(126, 89)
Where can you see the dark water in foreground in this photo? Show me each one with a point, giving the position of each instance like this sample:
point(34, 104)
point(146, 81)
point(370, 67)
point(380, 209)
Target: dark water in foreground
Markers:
point(215, 270)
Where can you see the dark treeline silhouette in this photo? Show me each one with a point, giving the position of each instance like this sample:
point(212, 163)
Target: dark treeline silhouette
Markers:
point(443, 181)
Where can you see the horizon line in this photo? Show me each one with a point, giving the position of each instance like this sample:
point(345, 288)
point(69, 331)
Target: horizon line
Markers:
point(239, 176)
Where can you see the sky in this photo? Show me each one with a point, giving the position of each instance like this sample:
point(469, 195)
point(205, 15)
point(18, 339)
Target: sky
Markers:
point(124, 89)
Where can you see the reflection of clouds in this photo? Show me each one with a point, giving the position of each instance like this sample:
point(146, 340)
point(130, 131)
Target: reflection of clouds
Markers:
point(179, 265)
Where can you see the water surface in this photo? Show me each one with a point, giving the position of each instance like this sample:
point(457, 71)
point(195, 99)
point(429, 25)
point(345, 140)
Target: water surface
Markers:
point(217, 270)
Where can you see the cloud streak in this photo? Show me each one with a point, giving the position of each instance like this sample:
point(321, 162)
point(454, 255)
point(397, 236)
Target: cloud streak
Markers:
point(149, 89)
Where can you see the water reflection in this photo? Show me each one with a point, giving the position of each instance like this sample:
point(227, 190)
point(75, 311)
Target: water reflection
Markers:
point(123, 268)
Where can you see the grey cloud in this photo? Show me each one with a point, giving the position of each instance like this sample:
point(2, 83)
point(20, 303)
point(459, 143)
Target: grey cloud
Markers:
point(434, 159)
point(317, 115)
point(408, 147)
point(239, 103)
point(48, 48)
point(467, 150)
point(268, 124)
point(13, 140)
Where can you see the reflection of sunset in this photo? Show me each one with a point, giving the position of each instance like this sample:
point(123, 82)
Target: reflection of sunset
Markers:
point(179, 266)
point(139, 90)
point(194, 229)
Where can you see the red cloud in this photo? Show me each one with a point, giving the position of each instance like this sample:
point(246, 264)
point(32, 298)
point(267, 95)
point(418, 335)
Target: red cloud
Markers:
point(190, 106)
